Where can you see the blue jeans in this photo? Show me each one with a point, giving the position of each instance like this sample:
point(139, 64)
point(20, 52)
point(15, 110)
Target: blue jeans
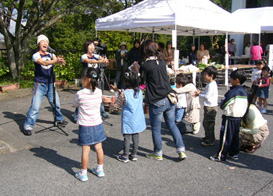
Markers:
point(39, 91)
point(157, 111)
point(179, 113)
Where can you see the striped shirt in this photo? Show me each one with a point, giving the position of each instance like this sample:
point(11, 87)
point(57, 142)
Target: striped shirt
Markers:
point(89, 104)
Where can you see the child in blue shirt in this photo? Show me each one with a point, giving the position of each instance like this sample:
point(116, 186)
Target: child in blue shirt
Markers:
point(133, 118)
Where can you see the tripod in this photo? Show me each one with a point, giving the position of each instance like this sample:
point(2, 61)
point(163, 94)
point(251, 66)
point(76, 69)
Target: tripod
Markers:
point(55, 123)
point(102, 77)
point(101, 84)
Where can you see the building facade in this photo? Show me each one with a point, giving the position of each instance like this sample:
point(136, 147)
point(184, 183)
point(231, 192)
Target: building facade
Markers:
point(241, 40)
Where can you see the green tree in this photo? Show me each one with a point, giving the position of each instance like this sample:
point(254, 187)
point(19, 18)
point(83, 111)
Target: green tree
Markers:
point(39, 16)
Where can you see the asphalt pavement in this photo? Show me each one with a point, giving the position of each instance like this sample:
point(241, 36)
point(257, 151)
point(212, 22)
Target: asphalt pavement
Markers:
point(45, 163)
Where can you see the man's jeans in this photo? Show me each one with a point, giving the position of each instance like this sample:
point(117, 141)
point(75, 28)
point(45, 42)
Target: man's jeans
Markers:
point(39, 91)
point(157, 111)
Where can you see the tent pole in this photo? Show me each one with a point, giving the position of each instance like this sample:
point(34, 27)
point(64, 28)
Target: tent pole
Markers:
point(153, 34)
point(175, 50)
point(260, 44)
point(226, 60)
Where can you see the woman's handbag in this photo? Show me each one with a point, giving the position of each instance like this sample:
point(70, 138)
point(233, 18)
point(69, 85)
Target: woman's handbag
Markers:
point(173, 98)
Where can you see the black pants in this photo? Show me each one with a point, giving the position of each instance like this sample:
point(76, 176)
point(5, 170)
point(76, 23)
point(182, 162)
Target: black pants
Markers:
point(209, 122)
point(135, 139)
point(229, 137)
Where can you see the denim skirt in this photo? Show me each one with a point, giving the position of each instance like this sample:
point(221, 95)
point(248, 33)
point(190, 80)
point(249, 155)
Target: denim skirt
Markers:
point(90, 135)
point(263, 92)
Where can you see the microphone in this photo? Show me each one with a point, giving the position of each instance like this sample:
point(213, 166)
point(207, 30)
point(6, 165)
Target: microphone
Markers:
point(51, 49)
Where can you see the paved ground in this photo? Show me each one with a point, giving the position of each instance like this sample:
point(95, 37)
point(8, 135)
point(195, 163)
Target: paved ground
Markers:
point(45, 163)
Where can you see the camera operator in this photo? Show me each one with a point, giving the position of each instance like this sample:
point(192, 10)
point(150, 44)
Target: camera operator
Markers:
point(101, 49)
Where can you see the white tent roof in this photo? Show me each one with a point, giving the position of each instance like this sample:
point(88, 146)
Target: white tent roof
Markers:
point(262, 17)
point(192, 17)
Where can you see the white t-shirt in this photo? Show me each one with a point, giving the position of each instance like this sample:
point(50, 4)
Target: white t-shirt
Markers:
point(95, 57)
point(210, 95)
point(255, 75)
point(89, 104)
point(121, 53)
point(247, 51)
point(182, 101)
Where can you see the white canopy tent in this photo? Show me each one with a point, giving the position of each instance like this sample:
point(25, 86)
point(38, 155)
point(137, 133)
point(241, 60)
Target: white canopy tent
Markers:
point(191, 17)
point(187, 17)
point(261, 17)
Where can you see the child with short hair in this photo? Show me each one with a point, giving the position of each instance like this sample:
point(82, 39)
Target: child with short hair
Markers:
point(234, 105)
point(210, 97)
point(263, 89)
point(91, 131)
point(132, 118)
point(191, 120)
point(256, 74)
point(182, 102)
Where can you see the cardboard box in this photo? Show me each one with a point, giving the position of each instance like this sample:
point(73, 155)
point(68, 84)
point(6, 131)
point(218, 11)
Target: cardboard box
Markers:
point(111, 64)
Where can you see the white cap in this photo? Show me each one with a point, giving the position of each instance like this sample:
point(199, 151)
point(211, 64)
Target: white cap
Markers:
point(123, 44)
point(42, 37)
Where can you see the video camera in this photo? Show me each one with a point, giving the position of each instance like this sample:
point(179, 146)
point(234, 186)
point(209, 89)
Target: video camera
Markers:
point(101, 50)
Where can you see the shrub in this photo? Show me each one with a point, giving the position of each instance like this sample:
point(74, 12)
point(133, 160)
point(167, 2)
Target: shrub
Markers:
point(4, 68)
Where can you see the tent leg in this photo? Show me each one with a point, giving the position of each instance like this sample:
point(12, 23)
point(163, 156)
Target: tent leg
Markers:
point(226, 61)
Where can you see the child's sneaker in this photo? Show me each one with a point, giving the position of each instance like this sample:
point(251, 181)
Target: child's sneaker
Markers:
point(81, 177)
point(154, 156)
point(133, 157)
point(215, 158)
point(182, 156)
point(196, 128)
point(263, 110)
point(207, 143)
point(234, 157)
point(123, 158)
point(99, 173)
point(203, 139)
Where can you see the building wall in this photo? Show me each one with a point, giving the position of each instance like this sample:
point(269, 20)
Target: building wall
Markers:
point(241, 40)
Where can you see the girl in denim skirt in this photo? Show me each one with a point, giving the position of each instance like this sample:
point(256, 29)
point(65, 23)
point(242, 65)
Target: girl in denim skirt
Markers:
point(91, 131)
point(263, 89)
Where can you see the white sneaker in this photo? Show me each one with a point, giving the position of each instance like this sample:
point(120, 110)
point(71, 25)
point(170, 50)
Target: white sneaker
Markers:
point(263, 111)
point(196, 128)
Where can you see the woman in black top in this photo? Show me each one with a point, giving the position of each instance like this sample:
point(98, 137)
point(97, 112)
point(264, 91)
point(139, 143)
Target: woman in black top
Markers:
point(192, 55)
point(158, 87)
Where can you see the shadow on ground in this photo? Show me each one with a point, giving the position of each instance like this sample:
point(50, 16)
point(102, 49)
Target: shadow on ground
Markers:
point(54, 158)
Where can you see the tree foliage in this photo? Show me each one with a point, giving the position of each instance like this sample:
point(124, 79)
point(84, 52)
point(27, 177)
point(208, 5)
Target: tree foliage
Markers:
point(41, 15)
point(68, 24)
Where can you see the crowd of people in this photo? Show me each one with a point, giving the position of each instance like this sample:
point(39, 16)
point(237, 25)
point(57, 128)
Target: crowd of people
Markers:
point(243, 126)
